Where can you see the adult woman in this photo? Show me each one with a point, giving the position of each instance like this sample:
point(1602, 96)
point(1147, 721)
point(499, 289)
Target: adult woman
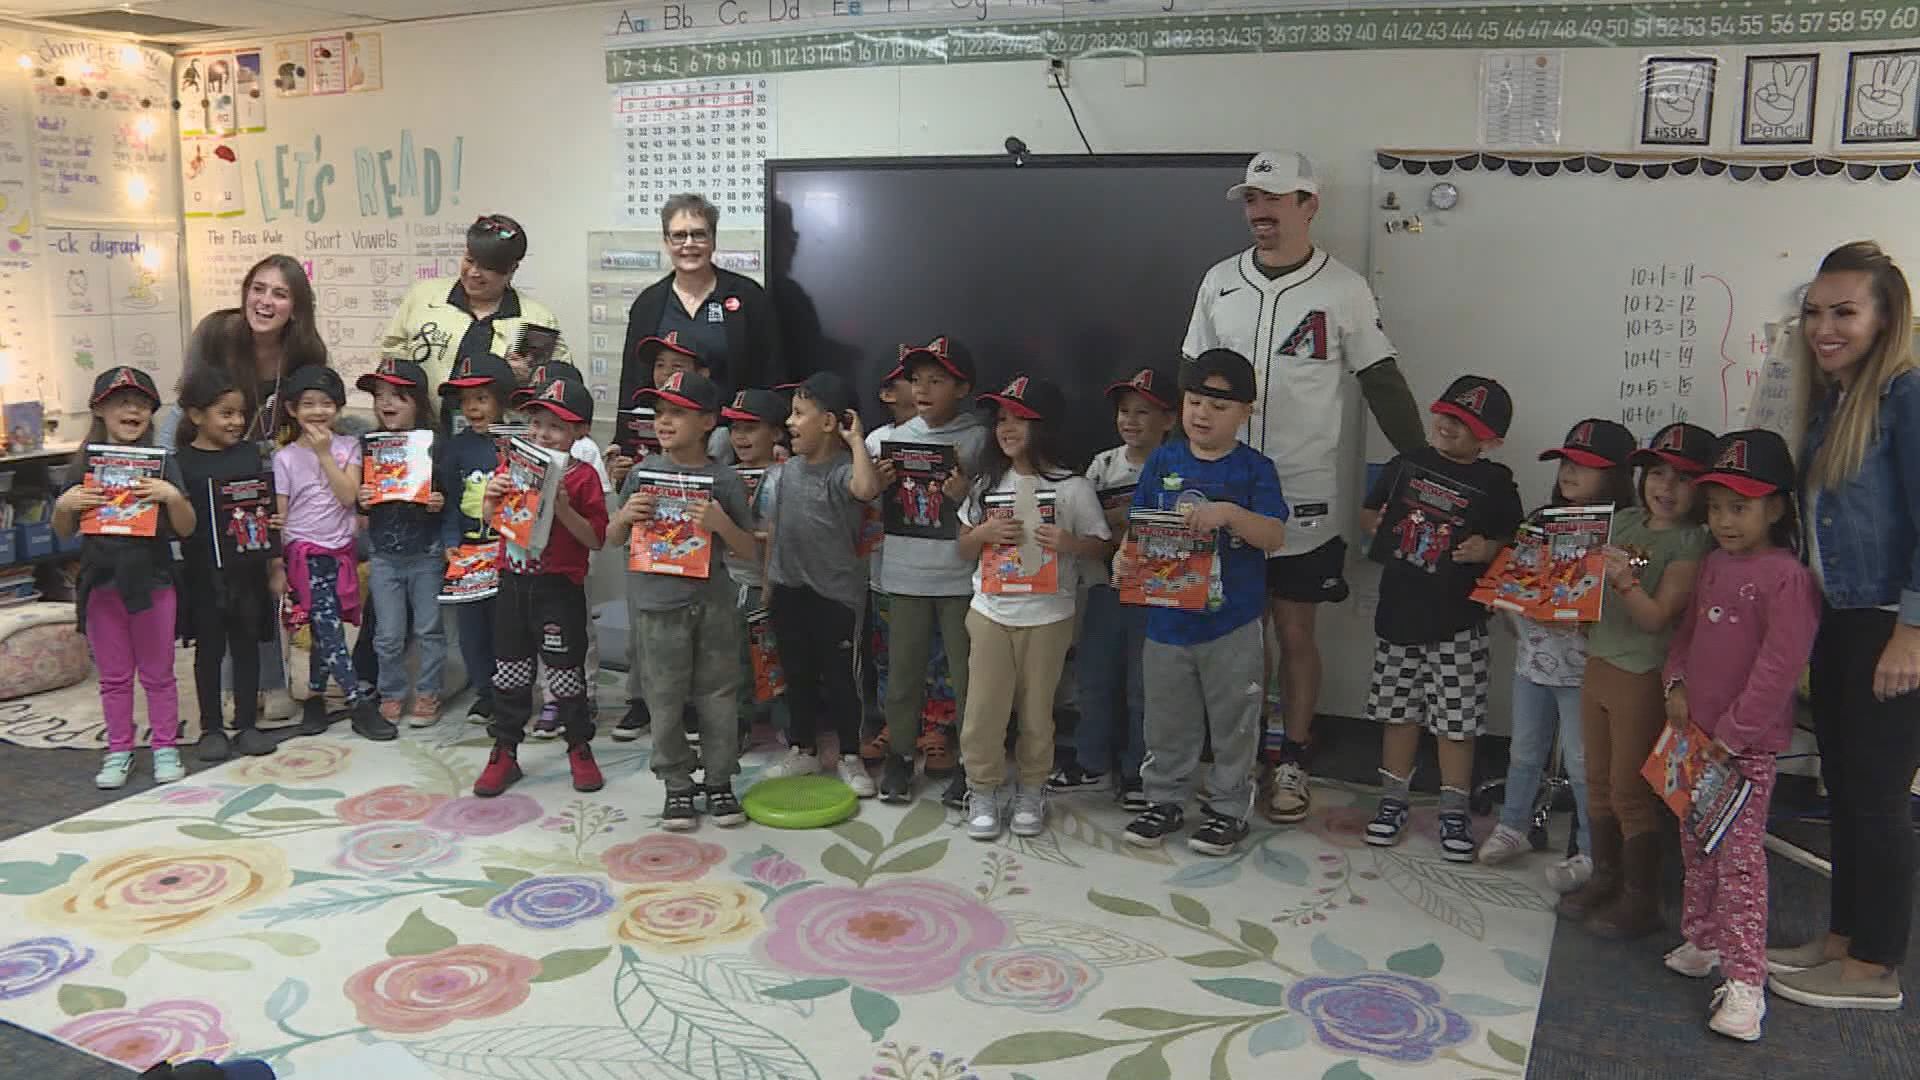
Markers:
point(725, 317)
point(1860, 464)
point(271, 333)
point(479, 312)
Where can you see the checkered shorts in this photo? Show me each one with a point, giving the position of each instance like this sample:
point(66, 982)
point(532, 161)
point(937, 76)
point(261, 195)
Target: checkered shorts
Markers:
point(1441, 685)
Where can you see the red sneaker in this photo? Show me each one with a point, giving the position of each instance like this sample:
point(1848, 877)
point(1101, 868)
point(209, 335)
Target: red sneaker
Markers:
point(586, 771)
point(502, 770)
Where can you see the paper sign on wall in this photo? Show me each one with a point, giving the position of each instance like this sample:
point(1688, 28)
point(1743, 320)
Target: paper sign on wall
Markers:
point(712, 136)
point(1676, 100)
point(114, 298)
point(213, 184)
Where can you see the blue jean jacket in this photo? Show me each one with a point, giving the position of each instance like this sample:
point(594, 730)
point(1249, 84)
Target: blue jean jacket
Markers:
point(1869, 527)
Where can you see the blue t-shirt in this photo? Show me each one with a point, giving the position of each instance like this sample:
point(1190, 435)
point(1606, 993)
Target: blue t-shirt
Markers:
point(465, 467)
point(1244, 477)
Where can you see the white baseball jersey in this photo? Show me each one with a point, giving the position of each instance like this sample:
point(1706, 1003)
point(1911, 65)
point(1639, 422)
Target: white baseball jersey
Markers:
point(1303, 332)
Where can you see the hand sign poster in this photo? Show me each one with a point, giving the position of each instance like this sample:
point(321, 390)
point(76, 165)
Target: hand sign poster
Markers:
point(1676, 100)
point(1778, 107)
point(1883, 97)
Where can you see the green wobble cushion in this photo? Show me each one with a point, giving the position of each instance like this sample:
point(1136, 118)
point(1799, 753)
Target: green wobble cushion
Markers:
point(800, 802)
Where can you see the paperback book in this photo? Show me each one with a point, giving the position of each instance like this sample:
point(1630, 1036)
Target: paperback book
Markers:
point(917, 504)
point(398, 466)
point(473, 573)
point(1002, 569)
point(242, 519)
point(1556, 567)
point(115, 471)
point(1695, 775)
point(769, 678)
point(633, 435)
point(672, 541)
point(1165, 563)
point(524, 515)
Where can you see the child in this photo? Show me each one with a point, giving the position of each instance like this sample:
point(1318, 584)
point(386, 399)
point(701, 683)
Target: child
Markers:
point(230, 608)
point(756, 419)
point(927, 581)
point(479, 387)
point(409, 559)
point(687, 630)
point(548, 593)
point(1112, 697)
point(1731, 671)
point(1654, 553)
point(1430, 659)
point(1208, 663)
point(1018, 642)
point(125, 596)
point(316, 481)
point(816, 579)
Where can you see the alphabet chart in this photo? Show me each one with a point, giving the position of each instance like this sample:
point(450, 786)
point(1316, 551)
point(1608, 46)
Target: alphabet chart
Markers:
point(710, 137)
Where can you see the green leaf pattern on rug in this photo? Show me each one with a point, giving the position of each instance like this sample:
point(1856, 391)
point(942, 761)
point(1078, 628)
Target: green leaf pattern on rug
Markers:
point(29, 878)
point(77, 1000)
point(287, 999)
point(419, 936)
point(1335, 959)
point(1421, 963)
point(1507, 1048)
point(1528, 969)
point(1289, 1032)
point(688, 1027)
point(1347, 1070)
point(1264, 993)
point(875, 1012)
point(567, 963)
point(1039, 1047)
point(1150, 1063)
point(806, 989)
point(1100, 946)
point(925, 817)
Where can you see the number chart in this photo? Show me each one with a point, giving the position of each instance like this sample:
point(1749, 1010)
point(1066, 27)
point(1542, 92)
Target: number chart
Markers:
point(710, 137)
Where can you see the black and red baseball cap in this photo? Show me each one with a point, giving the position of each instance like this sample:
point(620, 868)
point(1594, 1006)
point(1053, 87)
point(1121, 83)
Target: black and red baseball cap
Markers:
point(1029, 397)
point(953, 357)
point(392, 372)
point(546, 373)
point(124, 377)
point(687, 389)
point(1686, 447)
point(1478, 402)
point(568, 399)
point(482, 369)
point(1595, 443)
point(1155, 384)
point(756, 406)
point(667, 342)
point(1754, 462)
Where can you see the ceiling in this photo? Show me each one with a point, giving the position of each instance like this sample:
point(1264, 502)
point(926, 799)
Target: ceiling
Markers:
point(184, 21)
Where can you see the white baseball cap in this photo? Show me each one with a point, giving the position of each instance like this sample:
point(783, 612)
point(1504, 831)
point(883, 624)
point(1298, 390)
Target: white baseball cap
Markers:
point(1277, 172)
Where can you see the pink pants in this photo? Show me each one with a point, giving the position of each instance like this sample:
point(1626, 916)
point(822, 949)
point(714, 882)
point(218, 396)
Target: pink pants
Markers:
point(123, 644)
point(1726, 893)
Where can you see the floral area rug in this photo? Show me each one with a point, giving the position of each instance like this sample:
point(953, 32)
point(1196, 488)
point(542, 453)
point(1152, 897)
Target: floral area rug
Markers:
point(342, 892)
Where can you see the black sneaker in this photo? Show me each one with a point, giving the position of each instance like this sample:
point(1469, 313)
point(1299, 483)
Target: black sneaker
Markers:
point(313, 716)
point(252, 742)
point(956, 794)
point(1219, 835)
point(1151, 828)
point(634, 724)
point(369, 724)
point(1133, 794)
point(1456, 836)
point(1388, 823)
point(481, 711)
point(1072, 777)
point(896, 780)
point(213, 745)
point(679, 814)
point(723, 808)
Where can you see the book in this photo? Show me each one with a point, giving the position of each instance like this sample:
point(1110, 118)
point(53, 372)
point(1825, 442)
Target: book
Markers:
point(504, 433)
point(1001, 570)
point(1118, 497)
point(633, 435)
point(1694, 774)
point(473, 573)
point(397, 465)
point(1556, 568)
point(1167, 564)
point(26, 427)
point(1424, 519)
point(537, 343)
point(769, 678)
point(872, 531)
point(524, 516)
point(917, 504)
point(242, 519)
point(114, 471)
point(751, 478)
point(672, 541)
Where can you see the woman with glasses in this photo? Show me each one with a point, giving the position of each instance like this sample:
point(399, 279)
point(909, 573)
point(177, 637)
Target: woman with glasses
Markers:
point(724, 317)
point(479, 312)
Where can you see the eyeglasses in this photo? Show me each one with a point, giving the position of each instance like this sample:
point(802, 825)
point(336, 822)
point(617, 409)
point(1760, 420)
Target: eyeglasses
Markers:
point(696, 237)
point(504, 228)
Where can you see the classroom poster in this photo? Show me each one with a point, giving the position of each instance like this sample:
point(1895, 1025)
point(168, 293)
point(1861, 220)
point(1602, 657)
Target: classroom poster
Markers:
point(250, 95)
point(288, 66)
point(1676, 100)
point(713, 136)
point(211, 181)
point(1778, 104)
point(114, 299)
point(1882, 103)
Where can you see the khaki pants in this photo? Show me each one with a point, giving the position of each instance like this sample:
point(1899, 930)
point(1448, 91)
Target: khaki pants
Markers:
point(1011, 667)
point(1621, 715)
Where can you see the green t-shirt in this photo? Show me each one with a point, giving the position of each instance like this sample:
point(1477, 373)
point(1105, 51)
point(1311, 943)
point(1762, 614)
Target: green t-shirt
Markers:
point(1615, 638)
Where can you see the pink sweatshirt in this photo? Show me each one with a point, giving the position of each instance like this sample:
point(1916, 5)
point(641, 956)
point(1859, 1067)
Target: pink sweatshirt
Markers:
point(1742, 644)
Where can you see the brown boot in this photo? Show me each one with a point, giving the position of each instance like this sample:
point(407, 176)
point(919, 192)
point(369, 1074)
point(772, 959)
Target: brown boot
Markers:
point(1637, 912)
point(1604, 886)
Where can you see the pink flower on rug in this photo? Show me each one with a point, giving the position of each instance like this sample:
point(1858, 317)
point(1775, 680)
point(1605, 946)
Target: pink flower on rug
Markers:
point(395, 802)
point(660, 857)
point(305, 759)
point(777, 870)
point(1342, 826)
point(138, 1038)
point(1039, 978)
point(904, 937)
point(394, 847)
point(474, 816)
point(154, 893)
point(412, 994)
point(189, 796)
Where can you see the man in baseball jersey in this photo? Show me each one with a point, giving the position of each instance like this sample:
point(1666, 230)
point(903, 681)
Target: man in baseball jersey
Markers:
point(1305, 321)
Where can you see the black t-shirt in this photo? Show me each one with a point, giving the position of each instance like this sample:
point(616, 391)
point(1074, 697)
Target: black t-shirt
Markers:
point(1429, 505)
point(197, 467)
point(705, 331)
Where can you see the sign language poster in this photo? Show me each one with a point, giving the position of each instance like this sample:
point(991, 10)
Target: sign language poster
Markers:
point(1777, 109)
point(1883, 98)
point(1676, 100)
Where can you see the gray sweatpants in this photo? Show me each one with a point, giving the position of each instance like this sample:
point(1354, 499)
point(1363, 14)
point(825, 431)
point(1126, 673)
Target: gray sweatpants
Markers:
point(1218, 684)
point(692, 654)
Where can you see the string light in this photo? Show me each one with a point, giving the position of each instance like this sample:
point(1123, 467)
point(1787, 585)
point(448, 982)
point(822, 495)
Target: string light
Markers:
point(137, 189)
point(25, 62)
point(149, 258)
point(145, 126)
point(129, 56)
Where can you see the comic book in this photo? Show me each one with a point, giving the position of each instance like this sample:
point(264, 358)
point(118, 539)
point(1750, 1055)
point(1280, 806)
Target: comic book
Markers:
point(873, 530)
point(917, 503)
point(1425, 517)
point(672, 541)
point(504, 433)
point(397, 465)
point(633, 435)
point(242, 519)
point(1000, 569)
point(114, 471)
point(1694, 774)
point(1556, 568)
point(751, 479)
point(537, 343)
point(524, 516)
point(769, 678)
point(473, 573)
point(1168, 564)
point(1118, 497)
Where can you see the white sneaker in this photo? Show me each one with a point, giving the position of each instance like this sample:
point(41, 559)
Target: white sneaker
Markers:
point(983, 813)
point(1738, 1008)
point(1029, 812)
point(796, 762)
point(167, 767)
point(853, 773)
point(1692, 961)
point(114, 770)
point(1503, 846)
point(1569, 874)
point(1292, 799)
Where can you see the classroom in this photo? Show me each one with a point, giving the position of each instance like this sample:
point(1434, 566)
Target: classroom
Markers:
point(1209, 395)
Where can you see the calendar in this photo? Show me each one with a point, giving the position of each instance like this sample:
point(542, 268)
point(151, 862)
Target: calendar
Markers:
point(710, 137)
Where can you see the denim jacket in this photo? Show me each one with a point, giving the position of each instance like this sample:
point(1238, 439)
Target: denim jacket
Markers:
point(1869, 527)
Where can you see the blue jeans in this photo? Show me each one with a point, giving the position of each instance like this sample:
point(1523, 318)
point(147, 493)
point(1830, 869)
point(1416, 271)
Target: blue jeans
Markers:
point(1539, 713)
point(1108, 662)
point(400, 583)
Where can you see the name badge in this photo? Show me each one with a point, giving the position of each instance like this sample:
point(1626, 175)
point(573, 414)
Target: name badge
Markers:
point(714, 312)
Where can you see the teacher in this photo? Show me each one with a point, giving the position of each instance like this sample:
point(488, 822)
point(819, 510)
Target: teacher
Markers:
point(272, 333)
point(725, 317)
point(1860, 500)
point(479, 312)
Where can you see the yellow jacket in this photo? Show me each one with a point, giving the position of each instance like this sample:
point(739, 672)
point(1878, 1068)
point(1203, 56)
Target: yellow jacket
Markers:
point(434, 318)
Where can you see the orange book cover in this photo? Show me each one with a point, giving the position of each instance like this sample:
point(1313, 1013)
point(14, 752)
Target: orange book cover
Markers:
point(1000, 563)
point(1169, 565)
point(769, 678)
point(672, 541)
point(398, 466)
point(115, 471)
point(473, 573)
point(524, 515)
point(1555, 570)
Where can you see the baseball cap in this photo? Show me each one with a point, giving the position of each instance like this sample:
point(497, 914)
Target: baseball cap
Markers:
point(313, 377)
point(1687, 447)
point(1595, 443)
point(1754, 462)
point(1229, 365)
point(481, 370)
point(828, 391)
point(393, 373)
point(115, 379)
point(951, 355)
point(568, 399)
point(1029, 398)
point(762, 406)
point(546, 373)
point(1277, 172)
point(899, 372)
point(1154, 384)
point(667, 342)
point(1478, 402)
point(233, 1069)
point(687, 389)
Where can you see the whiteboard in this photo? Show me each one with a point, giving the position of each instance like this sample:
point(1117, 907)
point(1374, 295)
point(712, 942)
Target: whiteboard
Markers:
point(1638, 300)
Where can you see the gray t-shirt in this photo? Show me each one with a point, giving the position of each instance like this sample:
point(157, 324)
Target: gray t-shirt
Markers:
point(665, 592)
point(815, 520)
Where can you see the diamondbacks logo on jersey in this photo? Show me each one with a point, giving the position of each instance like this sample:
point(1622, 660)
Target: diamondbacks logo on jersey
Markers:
point(1309, 339)
point(1474, 400)
point(1734, 457)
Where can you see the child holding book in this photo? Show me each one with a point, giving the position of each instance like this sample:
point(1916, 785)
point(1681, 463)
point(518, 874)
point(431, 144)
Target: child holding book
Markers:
point(1732, 671)
point(1451, 511)
point(755, 421)
point(687, 628)
point(1208, 664)
point(479, 389)
point(229, 605)
point(124, 597)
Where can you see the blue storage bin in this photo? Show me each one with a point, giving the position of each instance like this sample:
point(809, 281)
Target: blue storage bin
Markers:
point(36, 540)
point(9, 550)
